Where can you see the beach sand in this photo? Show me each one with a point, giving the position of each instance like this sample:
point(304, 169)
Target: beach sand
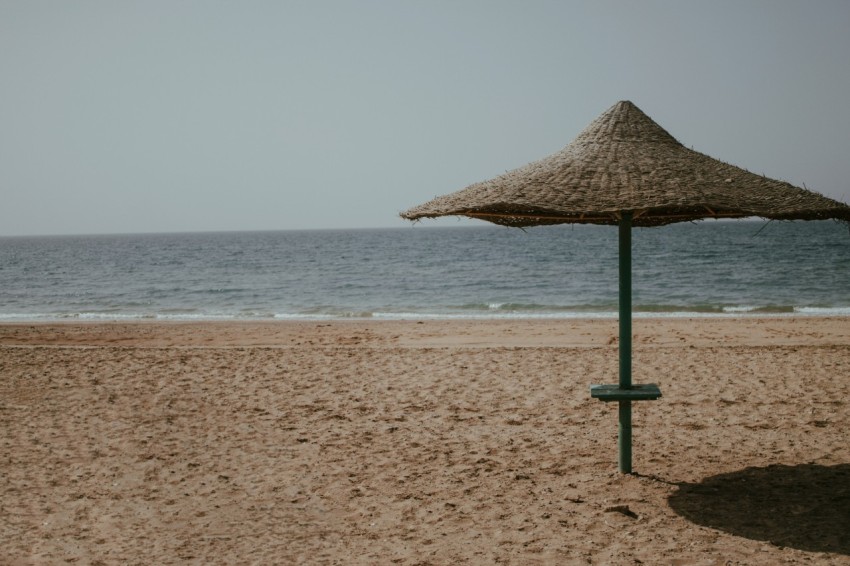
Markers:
point(434, 442)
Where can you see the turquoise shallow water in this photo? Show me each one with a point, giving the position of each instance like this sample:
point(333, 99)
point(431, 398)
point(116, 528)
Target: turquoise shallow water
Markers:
point(709, 269)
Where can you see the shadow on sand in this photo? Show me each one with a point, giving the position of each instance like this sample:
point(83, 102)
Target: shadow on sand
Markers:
point(806, 507)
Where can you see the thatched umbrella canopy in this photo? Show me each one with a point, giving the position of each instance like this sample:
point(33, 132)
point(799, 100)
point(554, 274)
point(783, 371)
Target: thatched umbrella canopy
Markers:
point(623, 161)
point(626, 170)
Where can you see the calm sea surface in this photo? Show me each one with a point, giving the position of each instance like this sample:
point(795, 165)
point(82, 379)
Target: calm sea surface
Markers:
point(709, 268)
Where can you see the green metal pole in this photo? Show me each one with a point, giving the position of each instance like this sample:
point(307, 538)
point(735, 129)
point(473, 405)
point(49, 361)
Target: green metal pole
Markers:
point(625, 429)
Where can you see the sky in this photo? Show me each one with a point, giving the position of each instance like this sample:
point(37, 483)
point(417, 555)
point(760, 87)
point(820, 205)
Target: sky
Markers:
point(172, 116)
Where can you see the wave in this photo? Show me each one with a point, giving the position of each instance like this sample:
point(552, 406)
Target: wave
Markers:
point(483, 311)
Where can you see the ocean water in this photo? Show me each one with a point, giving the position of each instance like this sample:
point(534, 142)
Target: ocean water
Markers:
point(706, 269)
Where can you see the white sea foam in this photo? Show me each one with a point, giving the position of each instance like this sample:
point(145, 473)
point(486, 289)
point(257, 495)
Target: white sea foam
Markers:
point(823, 311)
point(110, 316)
point(740, 309)
point(411, 315)
point(300, 316)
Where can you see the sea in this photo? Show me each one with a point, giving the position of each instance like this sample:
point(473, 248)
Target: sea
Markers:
point(706, 269)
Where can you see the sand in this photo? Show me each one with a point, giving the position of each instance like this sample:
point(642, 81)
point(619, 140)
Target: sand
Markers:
point(428, 442)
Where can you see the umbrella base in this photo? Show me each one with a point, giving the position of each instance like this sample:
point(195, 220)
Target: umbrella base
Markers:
point(645, 392)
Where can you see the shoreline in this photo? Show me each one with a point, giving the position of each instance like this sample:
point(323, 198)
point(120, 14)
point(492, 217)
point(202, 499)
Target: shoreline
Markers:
point(730, 313)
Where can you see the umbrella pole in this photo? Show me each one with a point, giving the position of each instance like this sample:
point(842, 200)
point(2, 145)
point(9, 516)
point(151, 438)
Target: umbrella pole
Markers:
point(624, 441)
point(625, 392)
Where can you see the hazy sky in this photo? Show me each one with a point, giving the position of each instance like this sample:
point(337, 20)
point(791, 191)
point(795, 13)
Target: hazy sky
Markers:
point(148, 116)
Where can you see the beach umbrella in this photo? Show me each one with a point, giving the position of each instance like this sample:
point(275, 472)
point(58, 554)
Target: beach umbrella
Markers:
point(625, 170)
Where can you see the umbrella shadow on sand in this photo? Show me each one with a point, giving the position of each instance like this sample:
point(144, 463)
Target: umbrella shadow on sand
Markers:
point(806, 507)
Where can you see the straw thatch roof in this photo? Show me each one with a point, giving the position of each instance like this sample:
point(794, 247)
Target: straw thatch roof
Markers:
point(625, 162)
